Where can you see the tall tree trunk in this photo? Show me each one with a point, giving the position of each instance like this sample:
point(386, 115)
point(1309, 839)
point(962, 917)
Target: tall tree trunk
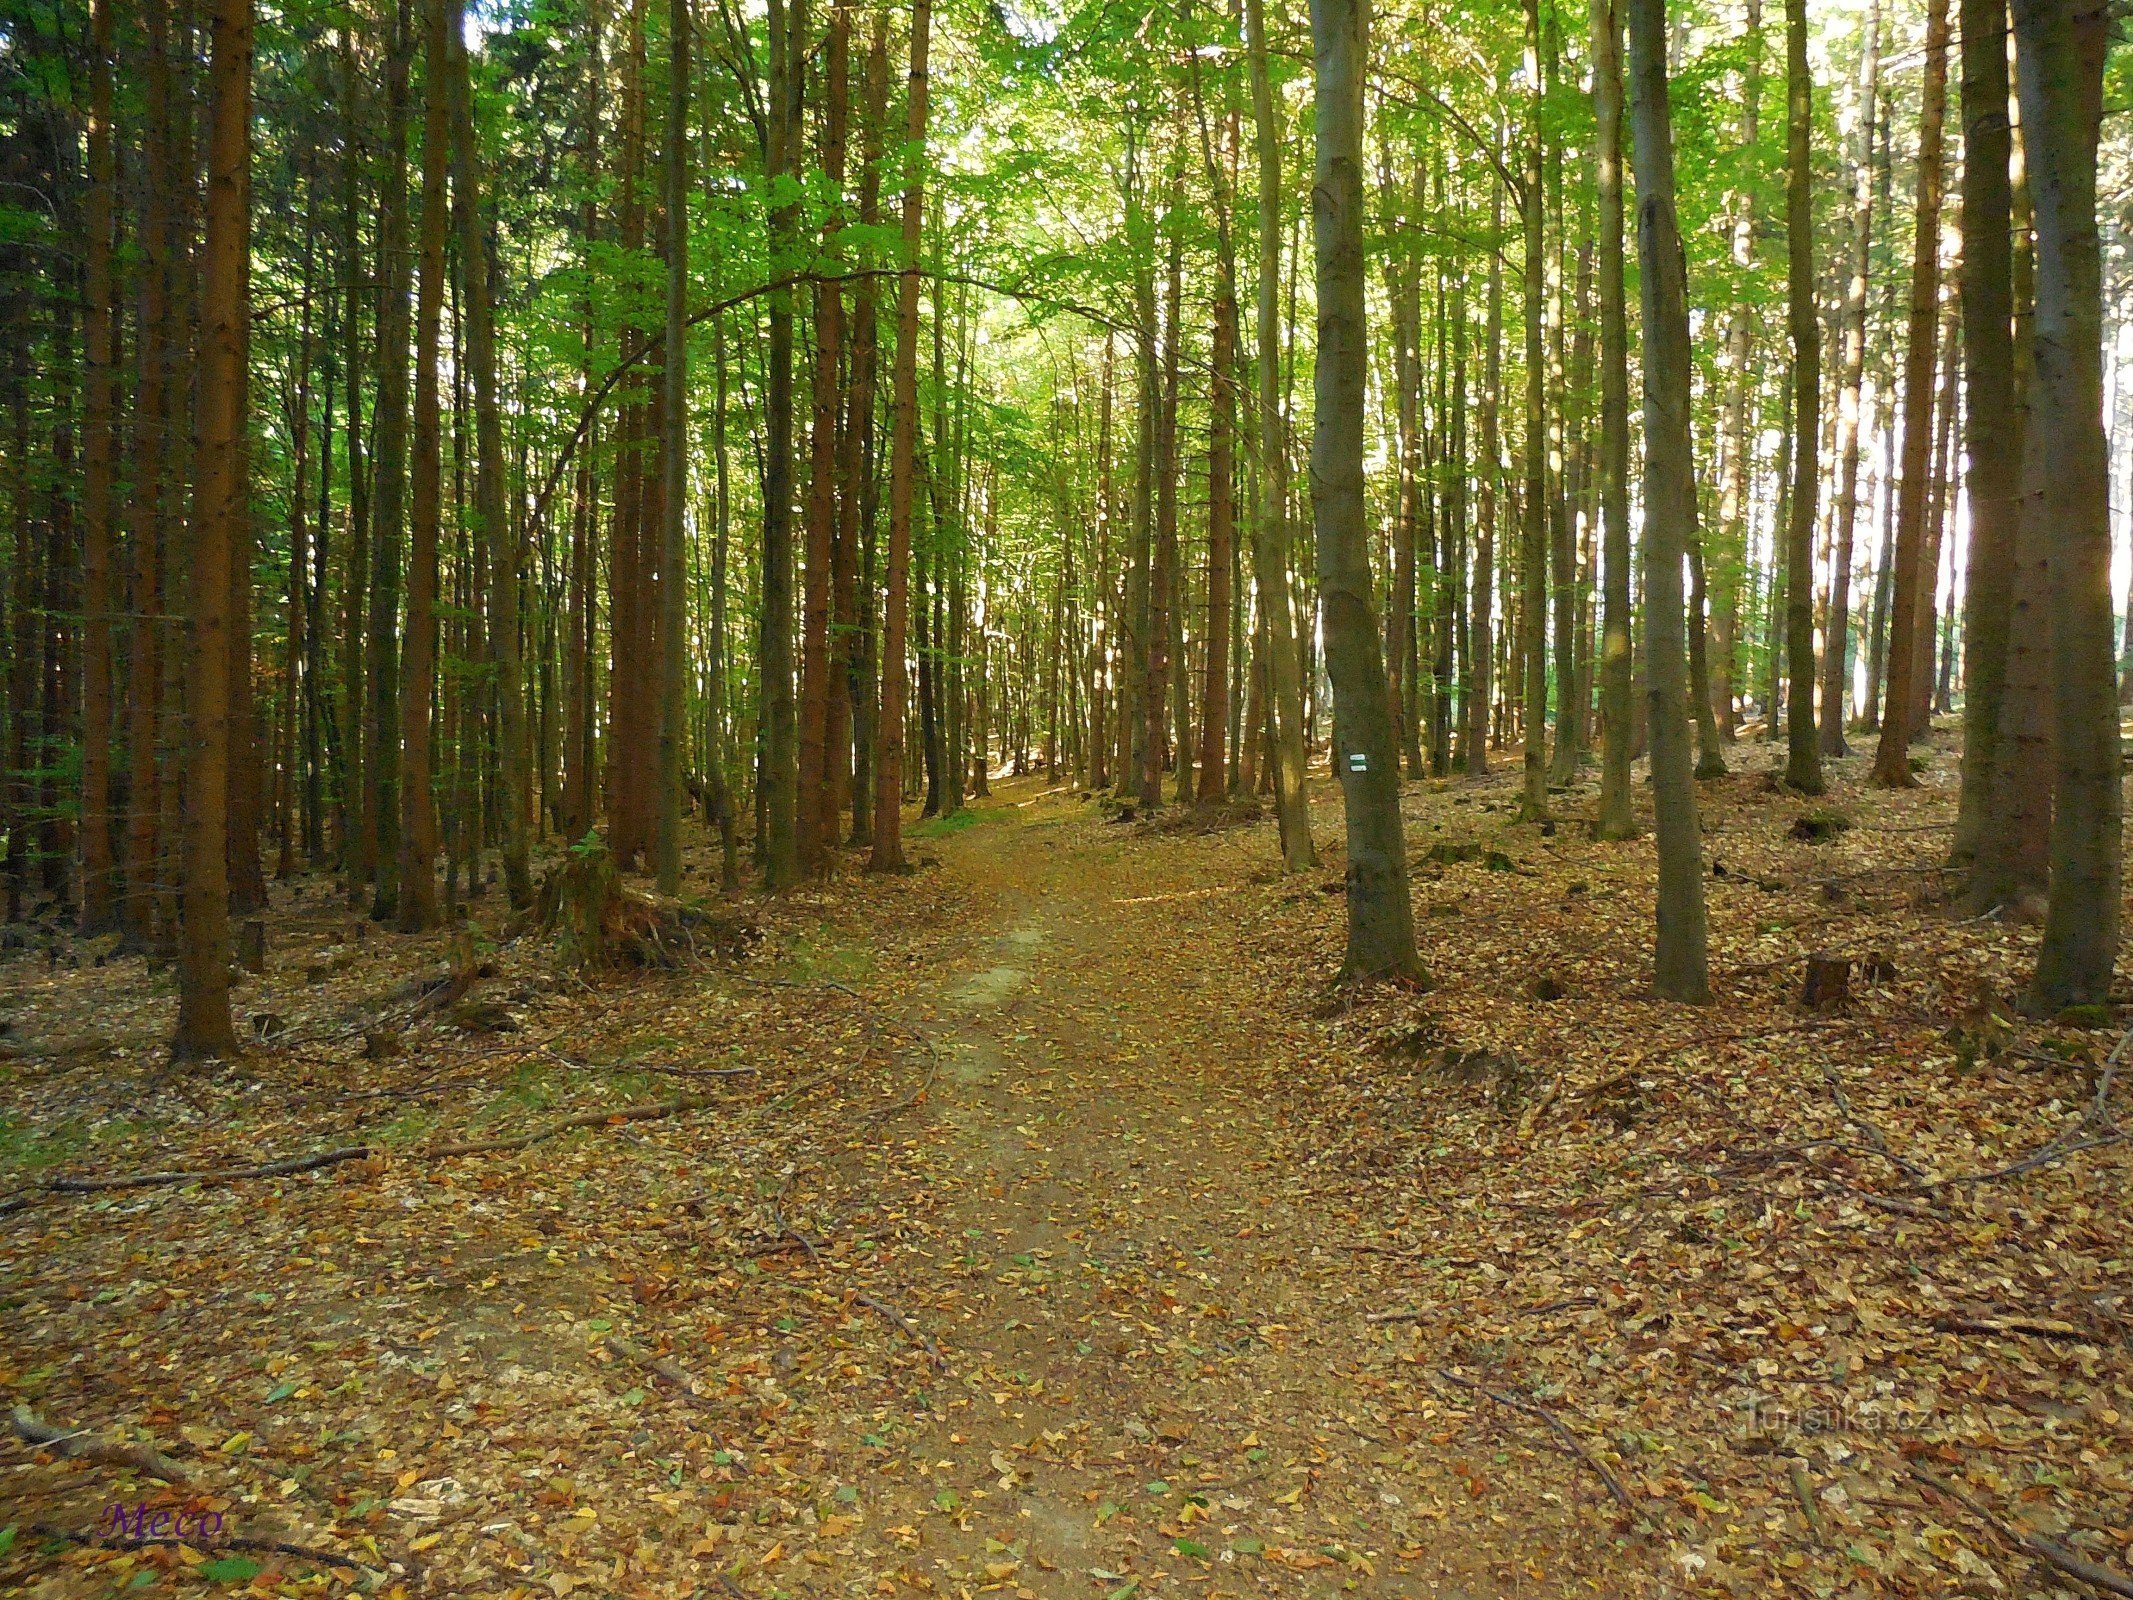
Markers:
point(1892, 764)
point(493, 527)
point(1836, 678)
point(204, 1025)
point(862, 492)
point(99, 906)
point(1946, 410)
point(2060, 49)
point(888, 853)
point(1270, 562)
point(1990, 423)
point(1162, 563)
point(295, 609)
point(1731, 546)
point(1481, 622)
point(2014, 852)
point(418, 907)
point(817, 800)
point(1679, 971)
point(788, 70)
point(355, 577)
point(1803, 756)
point(380, 839)
point(674, 462)
point(1381, 932)
point(154, 489)
point(1533, 541)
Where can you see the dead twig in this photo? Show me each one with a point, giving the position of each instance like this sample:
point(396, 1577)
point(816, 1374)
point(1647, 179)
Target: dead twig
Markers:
point(265, 1169)
point(2049, 1551)
point(2068, 1141)
point(670, 1371)
point(880, 1308)
point(1570, 1441)
point(228, 1541)
point(82, 1444)
point(1803, 1490)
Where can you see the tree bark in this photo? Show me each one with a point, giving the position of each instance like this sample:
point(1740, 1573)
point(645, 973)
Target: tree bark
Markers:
point(888, 853)
point(1679, 969)
point(418, 906)
point(204, 1026)
point(1803, 756)
point(380, 838)
point(1381, 934)
point(781, 864)
point(2061, 45)
point(1270, 561)
point(1836, 679)
point(1892, 763)
point(1990, 424)
point(1533, 541)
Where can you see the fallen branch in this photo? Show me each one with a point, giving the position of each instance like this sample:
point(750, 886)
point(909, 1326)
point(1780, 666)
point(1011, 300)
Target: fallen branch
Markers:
point(1396, 1316)
point(1803, 1490)
point(1569, 1440)
point(2067, 1141)
point(648, 1111)
point(81, 1444)
point(266, 1169)
point(880, 1308)
point(2001, 1327)
point(2049, 1551)
point(228, 1541)
point(671, 1372)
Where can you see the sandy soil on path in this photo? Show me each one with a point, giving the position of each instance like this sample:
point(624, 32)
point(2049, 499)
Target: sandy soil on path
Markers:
point(1168, 1379)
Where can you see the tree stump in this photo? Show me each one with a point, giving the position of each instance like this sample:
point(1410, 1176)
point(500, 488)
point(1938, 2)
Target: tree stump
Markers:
point(599, 921)
point(1829, 983)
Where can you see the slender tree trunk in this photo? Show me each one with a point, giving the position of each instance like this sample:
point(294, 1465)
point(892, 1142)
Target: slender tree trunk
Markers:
point(1892, 768)
point(1381, 933)
point(1481, 622)
point(1836, 679)
point(861, 489)
point(1803, 757)
point(903, 383)
point(477, 267)
point(1270, 563)
point(817, 797)
point(781, 863)
point(379, 851)
point(418, 907)
point(2061, 45)
point(293, 641)
point(1947, 408)
point(1990, 423)
point(154, 490)
point(1533, 542)
point(1731, 546)
point(674, 559)
point(1162, 563)
point(1669, 512)
point(204, 1024)
point(99, 908)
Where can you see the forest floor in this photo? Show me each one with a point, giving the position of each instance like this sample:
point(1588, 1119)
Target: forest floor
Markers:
point(1045, 1224)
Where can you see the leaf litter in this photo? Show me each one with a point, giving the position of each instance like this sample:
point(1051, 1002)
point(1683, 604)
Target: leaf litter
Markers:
point(1044, 1224)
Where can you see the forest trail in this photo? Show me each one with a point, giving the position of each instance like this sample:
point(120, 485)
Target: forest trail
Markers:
point(1159, 1312)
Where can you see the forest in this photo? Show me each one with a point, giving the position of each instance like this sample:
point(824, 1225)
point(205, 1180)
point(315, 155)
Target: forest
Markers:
point(1084, 797)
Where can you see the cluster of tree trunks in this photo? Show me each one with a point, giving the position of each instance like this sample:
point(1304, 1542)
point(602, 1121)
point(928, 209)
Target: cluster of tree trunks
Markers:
point(466, 664)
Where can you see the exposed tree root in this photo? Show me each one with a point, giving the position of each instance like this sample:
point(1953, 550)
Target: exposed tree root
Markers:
point(82, 1445)
point(599, 921)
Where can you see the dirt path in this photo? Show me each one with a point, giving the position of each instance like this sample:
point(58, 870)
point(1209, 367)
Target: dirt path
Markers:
point(1165, 1375)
